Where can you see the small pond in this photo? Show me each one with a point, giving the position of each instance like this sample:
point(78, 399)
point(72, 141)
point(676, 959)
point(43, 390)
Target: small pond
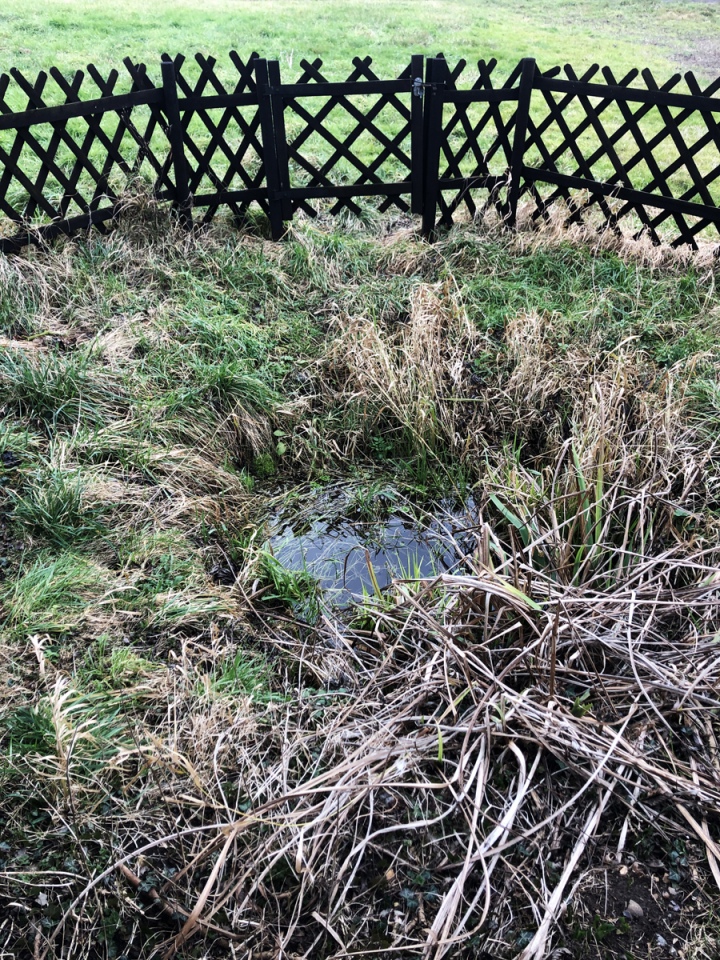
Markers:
point(338, 534)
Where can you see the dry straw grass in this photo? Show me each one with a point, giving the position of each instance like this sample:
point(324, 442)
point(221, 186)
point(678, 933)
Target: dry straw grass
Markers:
point(406, 376)
point(437, 765)
point(463, 737)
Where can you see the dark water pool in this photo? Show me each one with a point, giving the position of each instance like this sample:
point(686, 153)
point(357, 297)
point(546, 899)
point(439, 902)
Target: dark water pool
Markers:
point(338, 541)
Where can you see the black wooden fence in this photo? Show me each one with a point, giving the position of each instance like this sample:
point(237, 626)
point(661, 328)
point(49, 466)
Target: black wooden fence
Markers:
point(625, 154)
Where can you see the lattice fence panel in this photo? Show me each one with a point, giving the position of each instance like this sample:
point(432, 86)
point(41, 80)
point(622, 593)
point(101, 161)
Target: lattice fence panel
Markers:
point(222, 140)
point(663, 149)
point(356, 139)
point(60, 172)
point(625, 153)
point(476, 143)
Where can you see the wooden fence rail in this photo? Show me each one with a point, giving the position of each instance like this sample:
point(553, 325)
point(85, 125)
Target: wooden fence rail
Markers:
point(626, 154)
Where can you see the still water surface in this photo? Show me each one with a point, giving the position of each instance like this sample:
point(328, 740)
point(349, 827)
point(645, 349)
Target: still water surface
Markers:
point(335, 541)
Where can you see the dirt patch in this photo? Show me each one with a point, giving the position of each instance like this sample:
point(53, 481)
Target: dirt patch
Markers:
point(696, 44)
point(704, 56)
point(637, 910)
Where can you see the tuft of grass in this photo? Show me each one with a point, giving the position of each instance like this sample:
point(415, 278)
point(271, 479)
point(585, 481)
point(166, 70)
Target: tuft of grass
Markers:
point(53, 594)
point(108, 667)
point(297, 589)
point(67, 734)
point(29, 730)
point(161, 560)
point(53, 390)
point(18, 303)
point(18, 445)
point(55, 508)
point(239, 676)
point(189, 609)
point(398, 379)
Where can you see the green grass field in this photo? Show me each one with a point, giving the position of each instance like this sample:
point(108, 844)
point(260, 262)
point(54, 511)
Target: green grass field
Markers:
point(71, 33)
point(506, 443)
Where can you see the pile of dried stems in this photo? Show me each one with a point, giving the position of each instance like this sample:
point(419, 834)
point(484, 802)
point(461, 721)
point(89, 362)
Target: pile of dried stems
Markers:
point(549, 700)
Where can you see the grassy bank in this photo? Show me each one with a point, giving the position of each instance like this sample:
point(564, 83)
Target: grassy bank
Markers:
point(201, 754)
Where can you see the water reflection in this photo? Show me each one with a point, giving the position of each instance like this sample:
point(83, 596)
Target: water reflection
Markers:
point(335, 543)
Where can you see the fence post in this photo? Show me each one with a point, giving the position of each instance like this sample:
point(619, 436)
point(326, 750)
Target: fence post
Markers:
point(417, 146)
point(281, 151)
point(271, 129)
point(522, 115)
point(183, 197)
point(432, 134)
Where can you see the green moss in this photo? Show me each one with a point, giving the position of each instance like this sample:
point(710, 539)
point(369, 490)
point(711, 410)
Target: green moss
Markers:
point(263, 466)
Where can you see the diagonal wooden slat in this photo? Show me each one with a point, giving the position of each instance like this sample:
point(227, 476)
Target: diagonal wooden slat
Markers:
point(145, 139)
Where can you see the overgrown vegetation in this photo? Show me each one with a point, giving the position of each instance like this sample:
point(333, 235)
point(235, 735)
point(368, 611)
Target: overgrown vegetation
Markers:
point(201, 756)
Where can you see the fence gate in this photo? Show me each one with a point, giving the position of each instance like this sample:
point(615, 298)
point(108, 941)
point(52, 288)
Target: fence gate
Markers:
point(358, 138)
point(474, 140)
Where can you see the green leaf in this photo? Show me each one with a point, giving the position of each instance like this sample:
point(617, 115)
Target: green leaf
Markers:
point(373, 578)
point(512, 518)
point(515, 592)
point(581, 706)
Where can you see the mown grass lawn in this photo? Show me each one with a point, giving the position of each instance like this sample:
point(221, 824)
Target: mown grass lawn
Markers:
point(71, 33)
point(664, 37)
